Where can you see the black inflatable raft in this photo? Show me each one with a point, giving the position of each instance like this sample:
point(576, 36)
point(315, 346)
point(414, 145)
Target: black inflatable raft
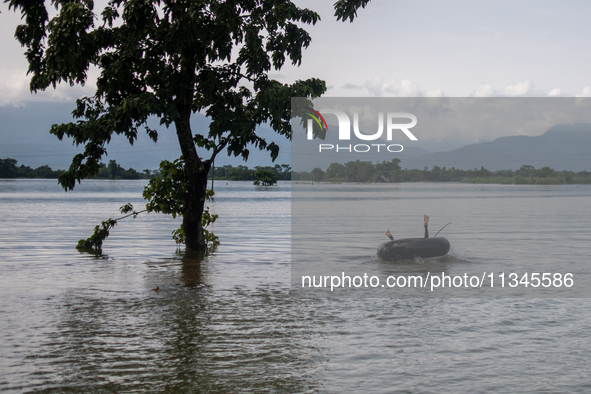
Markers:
point(409, 248)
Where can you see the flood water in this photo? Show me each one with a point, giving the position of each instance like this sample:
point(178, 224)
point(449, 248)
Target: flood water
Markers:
point(70, 322)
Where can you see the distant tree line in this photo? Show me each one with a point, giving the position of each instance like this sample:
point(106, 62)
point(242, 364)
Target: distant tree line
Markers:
point(364, 171)
point(353, 171)
point(115, 171)
point(112, 170)
point(9, 169)
point(529, 175)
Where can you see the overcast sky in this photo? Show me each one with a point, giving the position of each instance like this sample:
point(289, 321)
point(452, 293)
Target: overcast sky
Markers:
point(414, 47)
point(455, 48)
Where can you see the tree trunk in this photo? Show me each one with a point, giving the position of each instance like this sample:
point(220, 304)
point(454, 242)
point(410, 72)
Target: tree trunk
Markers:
point(196, 185)
point(196, 171)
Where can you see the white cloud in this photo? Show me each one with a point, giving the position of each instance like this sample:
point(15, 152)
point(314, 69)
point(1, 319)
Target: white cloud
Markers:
point(439, 49)
point(526, 88)
point(404, 88)
point(484, 91)
point(375, 87)
point(14, 89)
point(352, 86)
point(523, 89)
point(558, 93)
point(381, 87)
point(434, 93)
point(586, 92)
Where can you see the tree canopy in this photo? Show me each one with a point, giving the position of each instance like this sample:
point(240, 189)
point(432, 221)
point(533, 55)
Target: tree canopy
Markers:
point(170, 59)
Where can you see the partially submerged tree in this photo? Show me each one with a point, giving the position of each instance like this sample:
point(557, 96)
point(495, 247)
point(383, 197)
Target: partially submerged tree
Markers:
point(264, 177)
point(170, 59)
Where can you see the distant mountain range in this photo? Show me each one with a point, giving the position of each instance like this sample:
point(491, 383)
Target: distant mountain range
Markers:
point(562, 147)
point(24, 136)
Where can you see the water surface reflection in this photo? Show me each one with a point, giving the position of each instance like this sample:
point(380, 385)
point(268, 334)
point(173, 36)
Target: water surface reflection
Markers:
point(228, 323)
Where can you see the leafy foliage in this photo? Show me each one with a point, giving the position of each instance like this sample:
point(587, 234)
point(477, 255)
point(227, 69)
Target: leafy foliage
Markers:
point(160, 58)
point(265, 177)
point(211, 240)
point(170, 59)
point(94, 243)
point(347, 9)
point(168, 193)
point(243, 173)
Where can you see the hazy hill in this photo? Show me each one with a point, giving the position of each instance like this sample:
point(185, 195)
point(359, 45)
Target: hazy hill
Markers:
point(562, 147)
point(306, 156)
point(24, 136)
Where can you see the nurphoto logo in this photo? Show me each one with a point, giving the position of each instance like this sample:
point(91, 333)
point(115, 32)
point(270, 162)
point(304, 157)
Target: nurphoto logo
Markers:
point(393, 123)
